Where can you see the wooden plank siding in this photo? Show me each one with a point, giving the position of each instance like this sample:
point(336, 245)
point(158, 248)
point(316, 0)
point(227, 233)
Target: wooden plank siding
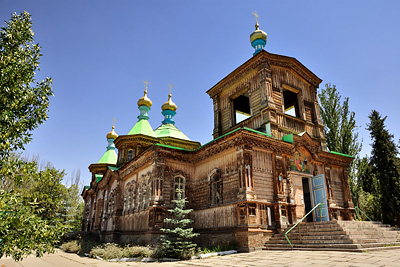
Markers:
point(217, 217)
point(337, 187)
point(263, 175)
point(282, 75)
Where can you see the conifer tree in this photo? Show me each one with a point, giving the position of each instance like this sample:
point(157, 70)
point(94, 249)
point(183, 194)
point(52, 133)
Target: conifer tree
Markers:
point(177, 239)
point(384, 166)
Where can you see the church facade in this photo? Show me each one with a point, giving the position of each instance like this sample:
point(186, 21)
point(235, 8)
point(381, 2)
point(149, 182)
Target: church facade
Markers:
point(266, 167)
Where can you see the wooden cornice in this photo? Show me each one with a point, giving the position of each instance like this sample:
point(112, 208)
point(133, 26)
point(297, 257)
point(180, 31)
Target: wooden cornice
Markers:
point(262, 58)
point(137, 138)
point(335, 159)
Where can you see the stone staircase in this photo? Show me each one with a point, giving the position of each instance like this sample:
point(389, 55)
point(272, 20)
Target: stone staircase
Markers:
point(355, 236)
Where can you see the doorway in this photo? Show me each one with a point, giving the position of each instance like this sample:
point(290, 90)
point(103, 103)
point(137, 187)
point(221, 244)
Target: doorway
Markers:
point(307, 198)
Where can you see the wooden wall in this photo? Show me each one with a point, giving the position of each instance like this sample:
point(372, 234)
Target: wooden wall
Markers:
point(217, 217)
point(263, 175)
point(337, 186)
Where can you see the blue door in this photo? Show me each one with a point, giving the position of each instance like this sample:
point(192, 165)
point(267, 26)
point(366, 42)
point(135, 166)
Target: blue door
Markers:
point(319, 193)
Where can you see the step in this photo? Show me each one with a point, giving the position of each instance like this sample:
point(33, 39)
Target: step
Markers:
point(375, 240)
point(316, 249)
point(311, 233)
point(381, 244)
point(378, 235)
point(316, 229)
point(316, 237)
point(312, 241)
point(337, 236)
point(341, 246)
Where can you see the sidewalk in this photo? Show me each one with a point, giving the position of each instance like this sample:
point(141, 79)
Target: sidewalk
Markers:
point(258, 258)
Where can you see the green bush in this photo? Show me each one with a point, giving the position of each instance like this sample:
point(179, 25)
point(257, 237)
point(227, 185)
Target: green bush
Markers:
point(111, 250)
point(107, 251)
point(71, 247)
point(136, 252)
point(114, 251)
point(80, 247)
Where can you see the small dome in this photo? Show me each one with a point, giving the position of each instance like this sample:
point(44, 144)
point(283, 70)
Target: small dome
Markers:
point(145, 101)
point(112, 134)
point(258, 34)
point(169, 104)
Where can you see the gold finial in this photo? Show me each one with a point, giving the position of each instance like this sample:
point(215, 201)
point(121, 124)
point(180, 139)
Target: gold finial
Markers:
point(170, 89)
point(112, 134)
point(146, 83)
point(257, 34)
point(145, 100)
point(169, 104)
point(256, 16)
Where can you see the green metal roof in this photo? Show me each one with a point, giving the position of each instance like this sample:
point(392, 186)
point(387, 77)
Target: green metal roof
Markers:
point(87, 187)
point(288, 138)
point(109, 157)
point(98, 177)
point(342, 154)
point(255, 131)
point(142, 127)
point(170, 130)
point(113, 168)
point(173, 147)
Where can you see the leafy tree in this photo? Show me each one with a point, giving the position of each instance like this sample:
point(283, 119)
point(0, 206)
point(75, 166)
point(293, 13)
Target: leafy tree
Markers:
point(23, 103)
point(384, 166)
point(29, 197)
point(340, 125)
point(29, 203)
point(22, 230)
point(341, 132)
point(357, 169)
point(177, 241)
point(365, 189)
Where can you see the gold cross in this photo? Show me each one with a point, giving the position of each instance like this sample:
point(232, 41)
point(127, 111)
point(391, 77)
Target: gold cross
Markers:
point(255, 16)
point(170, 87)
point(146, 82)
point(114, 120)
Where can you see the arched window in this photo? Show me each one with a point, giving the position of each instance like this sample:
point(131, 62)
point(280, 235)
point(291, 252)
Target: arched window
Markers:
point(179, 186)
point(130, 154)
point(216, 188)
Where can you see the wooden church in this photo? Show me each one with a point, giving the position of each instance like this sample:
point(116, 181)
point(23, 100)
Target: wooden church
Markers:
point(267, 166)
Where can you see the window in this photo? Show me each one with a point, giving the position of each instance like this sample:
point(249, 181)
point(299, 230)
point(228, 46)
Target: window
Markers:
point(291, 103)
point(216, 189)
point(179, 186)
point(252, 210)
point(241, 107)
point(130, 154)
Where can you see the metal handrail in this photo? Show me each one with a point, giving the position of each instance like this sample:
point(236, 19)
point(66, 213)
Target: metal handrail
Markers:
point(320, 208)
point(358, 216)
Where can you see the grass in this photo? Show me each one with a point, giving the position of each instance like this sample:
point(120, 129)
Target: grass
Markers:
point(391, 245)
point(218, 248)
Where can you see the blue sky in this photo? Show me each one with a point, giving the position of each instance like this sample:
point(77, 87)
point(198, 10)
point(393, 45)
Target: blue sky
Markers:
point(99, 52)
